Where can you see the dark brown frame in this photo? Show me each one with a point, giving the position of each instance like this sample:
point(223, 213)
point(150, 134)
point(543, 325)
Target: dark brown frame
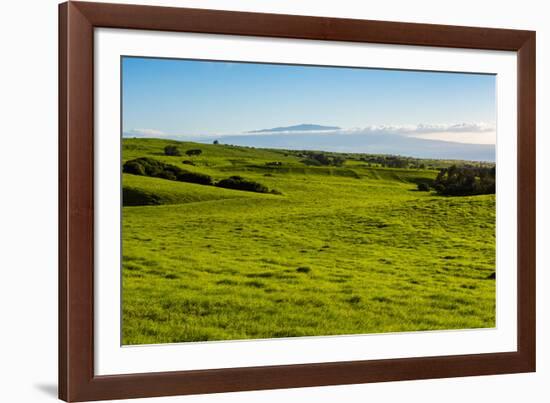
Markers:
point(77, 381)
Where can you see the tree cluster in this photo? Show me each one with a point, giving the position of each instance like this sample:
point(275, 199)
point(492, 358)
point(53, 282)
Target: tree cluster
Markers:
point(393, 161)
point(138, 197)
point(174, 151)
point(193, 152)
point(150, 167)
point(465, 181)
point(322, 159)
point(239, 183)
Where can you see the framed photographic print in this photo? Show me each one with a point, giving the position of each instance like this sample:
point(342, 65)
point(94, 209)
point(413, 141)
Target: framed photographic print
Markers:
point(256, 201)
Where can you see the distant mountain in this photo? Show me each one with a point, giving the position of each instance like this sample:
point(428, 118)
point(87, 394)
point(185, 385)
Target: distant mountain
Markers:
point(297, 128)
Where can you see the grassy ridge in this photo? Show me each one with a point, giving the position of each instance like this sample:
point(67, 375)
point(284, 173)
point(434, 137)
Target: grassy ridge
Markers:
point(171, 192)
point(343, 250)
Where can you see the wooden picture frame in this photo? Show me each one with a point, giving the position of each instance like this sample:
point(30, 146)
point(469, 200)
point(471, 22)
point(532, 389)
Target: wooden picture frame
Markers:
point(77, 381)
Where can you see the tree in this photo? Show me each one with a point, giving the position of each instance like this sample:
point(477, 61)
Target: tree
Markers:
point(158, 169)
point(194, 177)
point(315, 158)
point(464, 181)
point(138, 197)
point(215, 142)
point(322, 158)
point(172, 151)
point(338, 161)
point(134, 168)
point(239, 183)
point(423, 187)
point(193, 152)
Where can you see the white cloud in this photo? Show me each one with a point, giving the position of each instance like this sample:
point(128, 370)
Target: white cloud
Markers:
point(426, 128)
point(143, 133)
point(460, 137)
point(456, 128)
point(467, 133)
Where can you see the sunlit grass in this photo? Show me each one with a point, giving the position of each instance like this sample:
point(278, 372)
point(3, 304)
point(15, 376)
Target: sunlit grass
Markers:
point(343, 250)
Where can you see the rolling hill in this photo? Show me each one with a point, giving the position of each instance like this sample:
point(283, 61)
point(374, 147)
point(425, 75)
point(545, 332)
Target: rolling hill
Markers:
point(341, 250)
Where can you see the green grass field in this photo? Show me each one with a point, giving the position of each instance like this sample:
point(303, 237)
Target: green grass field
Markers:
point(343, 250)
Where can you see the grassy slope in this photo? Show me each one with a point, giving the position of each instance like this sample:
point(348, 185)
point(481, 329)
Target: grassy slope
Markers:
point(343, 250)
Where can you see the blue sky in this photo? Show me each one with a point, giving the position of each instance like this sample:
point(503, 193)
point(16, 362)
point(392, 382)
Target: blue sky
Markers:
point(423, 114)
point(177, 98)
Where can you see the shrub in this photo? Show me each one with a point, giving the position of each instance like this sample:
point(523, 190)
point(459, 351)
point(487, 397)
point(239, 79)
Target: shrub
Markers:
point(423, 187)
point(136, 197)
point(322, 158)
point(193, 152)
point(166, 175)
point(172, 151)
point(157, 169)
point(338, 161)
point(311, 162)
point(194, 177)
point(188, 162)
point(317, 158)
point(143, 166)
point(239, 183)
point(274, 164)
point(134, 168)
point(171, 168)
